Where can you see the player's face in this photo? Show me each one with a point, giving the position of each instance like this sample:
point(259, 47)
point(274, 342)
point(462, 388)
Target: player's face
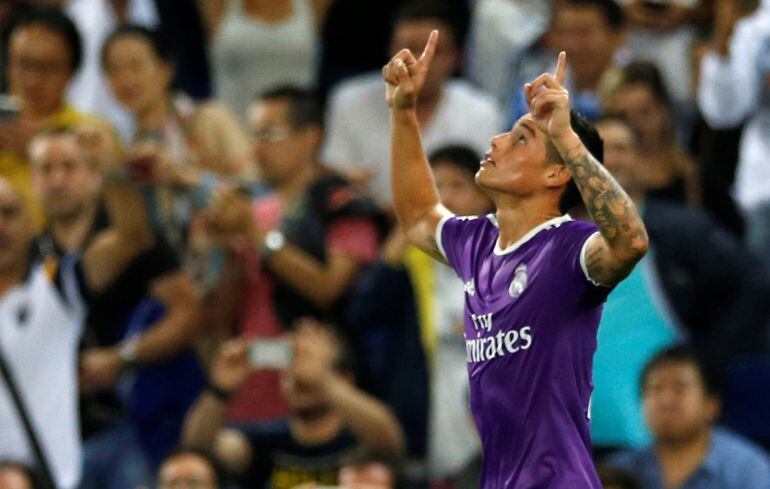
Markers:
point(63, 181)
point(676, 404)
point(516, 162)
point(457, 190)
point(15, 228)
point(413, 34)
point(620, 156)
point(187, 470)
point(278, 149)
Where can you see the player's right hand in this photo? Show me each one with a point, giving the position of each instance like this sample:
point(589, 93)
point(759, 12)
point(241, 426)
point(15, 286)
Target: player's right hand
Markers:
point(405, 75)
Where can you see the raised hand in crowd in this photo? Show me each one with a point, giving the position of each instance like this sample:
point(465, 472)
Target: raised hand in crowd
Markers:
point(228, 219)
point(230, 367)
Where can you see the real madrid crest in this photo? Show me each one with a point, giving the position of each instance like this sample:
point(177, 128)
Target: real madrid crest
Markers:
point(519, 282)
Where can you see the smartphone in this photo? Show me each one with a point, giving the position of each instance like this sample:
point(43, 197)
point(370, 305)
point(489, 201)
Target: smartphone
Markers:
point(10, 108)
point(271, 353)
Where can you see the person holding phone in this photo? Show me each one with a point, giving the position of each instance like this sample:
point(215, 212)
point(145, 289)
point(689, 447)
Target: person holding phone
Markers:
point(329, 419)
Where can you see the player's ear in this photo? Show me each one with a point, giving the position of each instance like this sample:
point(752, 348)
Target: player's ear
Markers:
point(557, 175)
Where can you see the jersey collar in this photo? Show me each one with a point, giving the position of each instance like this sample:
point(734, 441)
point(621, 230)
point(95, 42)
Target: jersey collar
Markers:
point(555, 222)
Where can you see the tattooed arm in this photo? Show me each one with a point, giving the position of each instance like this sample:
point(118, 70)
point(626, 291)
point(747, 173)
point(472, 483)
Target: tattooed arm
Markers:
point(622, 242)
point(415, 197)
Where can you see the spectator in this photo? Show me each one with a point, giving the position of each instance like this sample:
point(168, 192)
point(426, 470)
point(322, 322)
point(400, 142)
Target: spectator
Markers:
point(16, 476)
point(186, 145)
point(733, 89)
point(68, 183)
point(449, 111)
point(688, 451)
point(258, 45)
point(44, 52)
point(190, 468)
point(180, 26)
point(637, 91)
point(592, 32)
point(45, 308)
point(329, 417)
point(699, 283)
point(309, 239)
point(664, 32)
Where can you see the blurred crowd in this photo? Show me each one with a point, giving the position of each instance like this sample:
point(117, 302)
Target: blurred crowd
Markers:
point(202, 284)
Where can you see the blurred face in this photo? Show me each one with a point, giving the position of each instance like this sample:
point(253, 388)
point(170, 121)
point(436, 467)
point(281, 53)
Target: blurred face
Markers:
point(187, 471)
point(278, 149)
point(620, 156)
point(413, 34)
point(39, 68)
point(138, 77)
point(638, 105)
point(590, 42)
point(676, 404)
point(518, 163)
point(13, 478)
point(458, 191)
point(15, 229)
point(63, 180)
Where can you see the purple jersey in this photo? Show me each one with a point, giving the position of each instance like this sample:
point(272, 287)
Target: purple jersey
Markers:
point(531, 316)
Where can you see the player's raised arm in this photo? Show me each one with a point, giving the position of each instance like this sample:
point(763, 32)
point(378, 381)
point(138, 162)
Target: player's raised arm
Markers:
point(415, 197)
point(611, 256)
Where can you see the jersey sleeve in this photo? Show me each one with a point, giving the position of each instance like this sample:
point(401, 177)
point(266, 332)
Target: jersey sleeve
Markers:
point(574, 241)
point(456, 237)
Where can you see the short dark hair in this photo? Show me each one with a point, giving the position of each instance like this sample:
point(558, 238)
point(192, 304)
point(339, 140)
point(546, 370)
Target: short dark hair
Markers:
point(648, 74)
point(458, 155)
point(590, 138)
point(217, 469)
point(683, 355)
point(159, 47)
point(610, 9)
point(445, 12)
point(305, 105)
point(52, 18)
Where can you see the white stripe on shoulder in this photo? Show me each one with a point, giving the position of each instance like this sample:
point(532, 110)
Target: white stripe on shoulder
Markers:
point(583, 265)
point(439, 229)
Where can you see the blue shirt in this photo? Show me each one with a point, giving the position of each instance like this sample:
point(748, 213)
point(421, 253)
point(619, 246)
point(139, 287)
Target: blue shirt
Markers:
point(732, 462)
point(636, 324)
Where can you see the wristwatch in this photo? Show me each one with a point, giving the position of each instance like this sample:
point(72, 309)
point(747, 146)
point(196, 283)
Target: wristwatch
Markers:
point(274, 242)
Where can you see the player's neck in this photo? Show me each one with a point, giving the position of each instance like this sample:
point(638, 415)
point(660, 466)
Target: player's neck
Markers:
point(516, 221)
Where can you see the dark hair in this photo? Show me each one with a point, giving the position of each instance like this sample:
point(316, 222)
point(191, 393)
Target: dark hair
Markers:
point(54, 19)
point(463, 157)
point(590, 138)
point(305, 104)
point(445, 12)
point(648, 74)
point(217, 470)
point(611, 11)
point(613, 476)
point(35, 480)
point(679, 354)
point(153, 37)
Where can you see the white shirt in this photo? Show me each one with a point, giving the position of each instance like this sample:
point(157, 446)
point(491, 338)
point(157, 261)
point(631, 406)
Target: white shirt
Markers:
point(89, 91)
point(40, 328)
point(735, 88)
point(358, 125)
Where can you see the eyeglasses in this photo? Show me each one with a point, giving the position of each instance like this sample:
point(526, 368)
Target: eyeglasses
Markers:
point(270, 134)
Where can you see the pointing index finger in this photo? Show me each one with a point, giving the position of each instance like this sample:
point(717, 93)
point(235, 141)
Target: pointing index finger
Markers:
point(561, 66)
point(430, 48)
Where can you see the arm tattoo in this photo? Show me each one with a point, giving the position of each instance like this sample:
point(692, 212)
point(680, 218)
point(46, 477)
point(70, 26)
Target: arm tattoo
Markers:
point(609, 206)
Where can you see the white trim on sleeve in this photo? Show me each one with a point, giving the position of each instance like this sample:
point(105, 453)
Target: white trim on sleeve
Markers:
point(439, 229)
point(583, 261)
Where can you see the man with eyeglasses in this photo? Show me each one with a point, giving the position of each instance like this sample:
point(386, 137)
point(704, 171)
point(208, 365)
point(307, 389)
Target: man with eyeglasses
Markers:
point(44, 51)
point(303, 245)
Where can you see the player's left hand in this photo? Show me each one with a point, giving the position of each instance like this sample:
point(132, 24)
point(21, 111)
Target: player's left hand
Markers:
point(548, 102)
